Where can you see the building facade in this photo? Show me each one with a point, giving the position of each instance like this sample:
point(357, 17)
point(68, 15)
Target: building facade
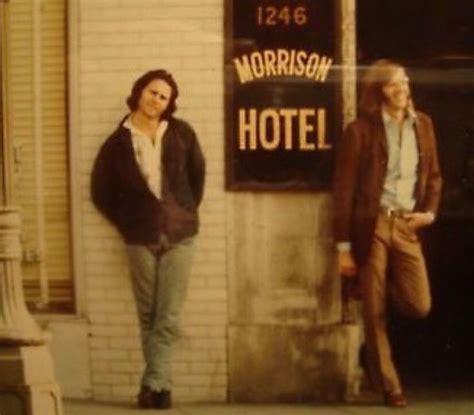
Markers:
point(262, 321)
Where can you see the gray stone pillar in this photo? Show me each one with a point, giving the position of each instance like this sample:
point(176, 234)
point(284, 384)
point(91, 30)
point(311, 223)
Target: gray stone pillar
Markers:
point(287, 339)
point(27, 385)
point(17, 327)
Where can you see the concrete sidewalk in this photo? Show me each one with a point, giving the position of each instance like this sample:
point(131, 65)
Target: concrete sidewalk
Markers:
point(452, 400)
point(420, 408)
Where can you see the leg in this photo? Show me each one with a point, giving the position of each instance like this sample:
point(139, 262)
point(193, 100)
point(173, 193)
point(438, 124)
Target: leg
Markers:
point(382, 371)
point(173, 275)
point(409, 286)
point(143, 265)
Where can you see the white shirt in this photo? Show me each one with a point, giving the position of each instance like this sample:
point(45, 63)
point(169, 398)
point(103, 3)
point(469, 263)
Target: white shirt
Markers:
point(148, 154)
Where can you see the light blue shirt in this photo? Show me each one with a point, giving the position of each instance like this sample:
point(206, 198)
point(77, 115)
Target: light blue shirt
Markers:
point(399, 186)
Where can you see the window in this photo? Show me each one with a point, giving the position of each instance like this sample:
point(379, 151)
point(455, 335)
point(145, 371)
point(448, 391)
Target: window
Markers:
point(37, 128)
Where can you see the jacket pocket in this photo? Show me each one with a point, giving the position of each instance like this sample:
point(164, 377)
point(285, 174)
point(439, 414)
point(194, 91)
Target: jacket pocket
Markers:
point(179, 222)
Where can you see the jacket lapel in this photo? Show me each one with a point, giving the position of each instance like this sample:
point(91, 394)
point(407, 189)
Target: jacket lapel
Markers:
point(379, 134)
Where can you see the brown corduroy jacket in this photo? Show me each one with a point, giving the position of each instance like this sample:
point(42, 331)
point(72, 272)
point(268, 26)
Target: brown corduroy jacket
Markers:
point(361, 167)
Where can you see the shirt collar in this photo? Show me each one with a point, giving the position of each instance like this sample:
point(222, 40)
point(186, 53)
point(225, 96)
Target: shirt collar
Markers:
point(134, 130)
point(410, 117)
point(127, 123)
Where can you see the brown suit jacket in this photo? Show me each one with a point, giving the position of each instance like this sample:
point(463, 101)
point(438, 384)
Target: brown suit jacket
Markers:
point(361, 167)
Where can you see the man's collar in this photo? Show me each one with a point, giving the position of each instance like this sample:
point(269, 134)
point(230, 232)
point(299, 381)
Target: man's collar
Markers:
point(128, 124)
point(410, 115)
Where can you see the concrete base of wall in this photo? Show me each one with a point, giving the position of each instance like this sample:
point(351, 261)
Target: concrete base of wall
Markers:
point(69, 344)
point(27, 383)
point(271, 363)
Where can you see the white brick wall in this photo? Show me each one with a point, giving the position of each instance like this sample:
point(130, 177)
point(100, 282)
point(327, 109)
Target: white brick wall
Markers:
point(118, 41)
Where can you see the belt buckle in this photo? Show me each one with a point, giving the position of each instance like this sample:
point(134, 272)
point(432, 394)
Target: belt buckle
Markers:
point(391, 212)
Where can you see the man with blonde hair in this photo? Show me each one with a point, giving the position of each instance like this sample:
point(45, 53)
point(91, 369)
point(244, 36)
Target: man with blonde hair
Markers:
point(387, 186)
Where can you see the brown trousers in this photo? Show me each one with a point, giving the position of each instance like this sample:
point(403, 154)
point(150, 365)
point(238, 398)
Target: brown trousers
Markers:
point(395, 272)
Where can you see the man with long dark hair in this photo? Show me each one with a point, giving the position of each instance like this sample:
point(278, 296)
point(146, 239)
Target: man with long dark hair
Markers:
point(387, 186)
point(148, 181)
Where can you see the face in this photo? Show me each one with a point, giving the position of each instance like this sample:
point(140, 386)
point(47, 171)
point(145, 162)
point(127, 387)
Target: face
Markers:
point(154, 99)
point(396, 91)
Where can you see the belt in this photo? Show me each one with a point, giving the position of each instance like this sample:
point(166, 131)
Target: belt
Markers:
point(390, 212)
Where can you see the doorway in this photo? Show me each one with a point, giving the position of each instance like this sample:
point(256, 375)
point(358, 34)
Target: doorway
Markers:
point(435, 40)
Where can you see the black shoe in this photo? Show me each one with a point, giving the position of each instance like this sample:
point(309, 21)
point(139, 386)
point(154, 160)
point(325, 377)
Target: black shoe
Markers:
point(161, 399)
point(145, 397)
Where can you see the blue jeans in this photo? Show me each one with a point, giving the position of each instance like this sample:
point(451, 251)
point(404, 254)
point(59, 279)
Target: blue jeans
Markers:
point(159, 285)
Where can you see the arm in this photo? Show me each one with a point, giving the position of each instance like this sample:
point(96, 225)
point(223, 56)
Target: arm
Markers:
point(344, 188)
point(345, 182)
point(429, 204)
point(103, 189)
point(197, 169)
point(434, 181)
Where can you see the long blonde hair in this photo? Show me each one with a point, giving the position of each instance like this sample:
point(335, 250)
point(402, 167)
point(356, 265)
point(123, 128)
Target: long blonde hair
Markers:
point(376, 76)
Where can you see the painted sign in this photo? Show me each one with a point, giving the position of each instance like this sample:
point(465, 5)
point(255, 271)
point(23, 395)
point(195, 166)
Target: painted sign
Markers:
point(280, 94)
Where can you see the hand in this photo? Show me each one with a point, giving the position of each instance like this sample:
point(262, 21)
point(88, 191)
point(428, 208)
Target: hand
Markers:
point(346, 264)
point(417, 220)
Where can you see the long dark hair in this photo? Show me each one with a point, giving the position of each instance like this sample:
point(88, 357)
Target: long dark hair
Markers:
point(141, 83)
point(376, 76)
